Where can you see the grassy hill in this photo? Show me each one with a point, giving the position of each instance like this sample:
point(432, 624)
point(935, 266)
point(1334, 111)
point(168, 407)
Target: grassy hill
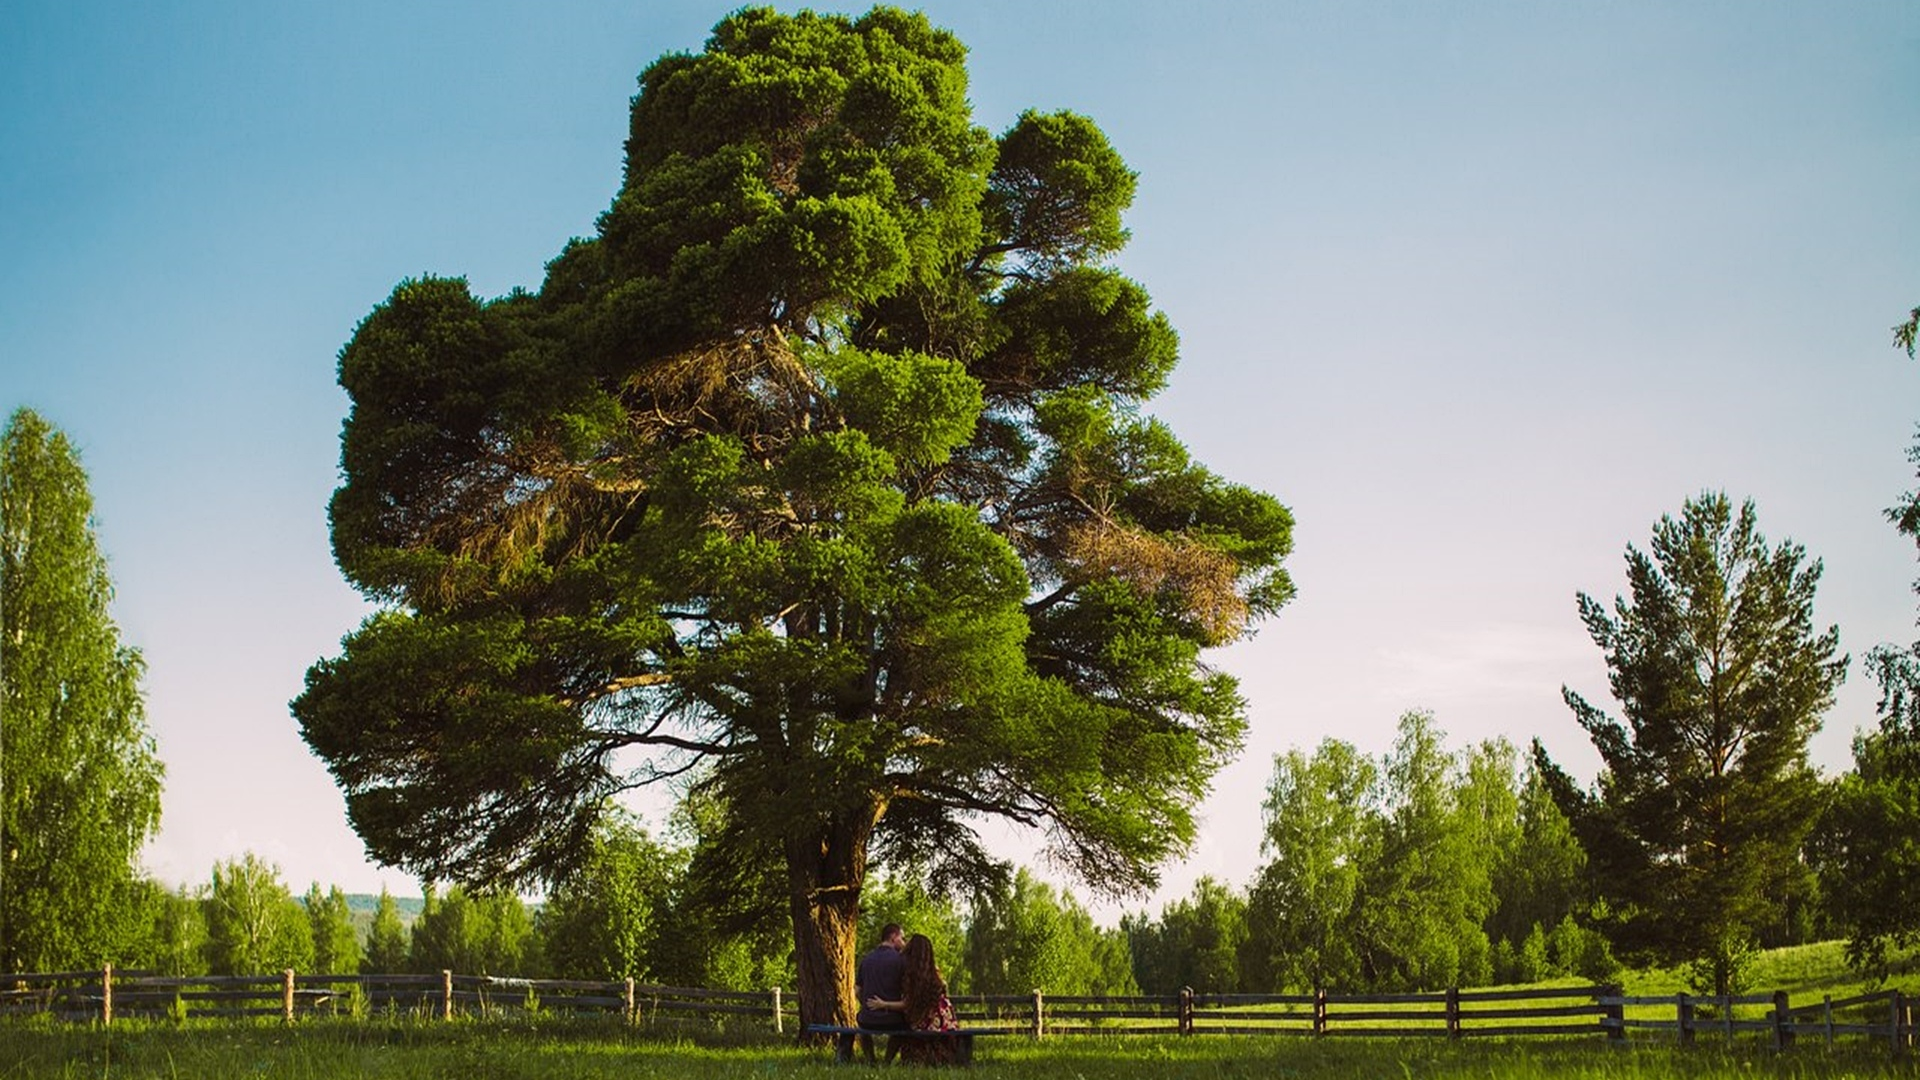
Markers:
point(1807, 972)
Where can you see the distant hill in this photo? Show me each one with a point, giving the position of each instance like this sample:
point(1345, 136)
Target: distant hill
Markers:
point(409, 906)
point(362, 906)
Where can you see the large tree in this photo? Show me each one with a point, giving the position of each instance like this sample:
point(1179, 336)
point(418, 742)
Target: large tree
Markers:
point(79, 776)
point(1422, 906)
point(819, 478)
point(1694, 829)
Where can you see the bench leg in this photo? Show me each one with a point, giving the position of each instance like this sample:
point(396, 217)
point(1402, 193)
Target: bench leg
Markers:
point(843, 1048)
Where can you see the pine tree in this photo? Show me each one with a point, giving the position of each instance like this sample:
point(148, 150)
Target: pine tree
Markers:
point(822, 477)
point(1706, 792)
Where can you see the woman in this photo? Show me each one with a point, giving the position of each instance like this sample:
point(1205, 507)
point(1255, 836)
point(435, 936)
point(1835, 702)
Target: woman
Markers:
point(923, 998)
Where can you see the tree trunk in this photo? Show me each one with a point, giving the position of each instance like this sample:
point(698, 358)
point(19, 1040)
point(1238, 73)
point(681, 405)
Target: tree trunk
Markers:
point(825, 871)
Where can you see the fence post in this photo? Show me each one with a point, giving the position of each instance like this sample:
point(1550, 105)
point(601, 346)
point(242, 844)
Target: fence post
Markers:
point(1826, 1016)
point(1319, 1010)
point(777, 1029)
point(1683, 1016)
point(1453, 1012)
point(1185, 1021)
point(286, 994)
point(1039, 1025)
point(446, 994)
point(1616, 1013)
point(106, 995)
point(1900, 1019)
point(1782, 1021)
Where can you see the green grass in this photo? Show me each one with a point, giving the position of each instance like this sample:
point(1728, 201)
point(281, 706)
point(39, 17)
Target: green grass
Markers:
point(546, 1046)
point(570, 1051)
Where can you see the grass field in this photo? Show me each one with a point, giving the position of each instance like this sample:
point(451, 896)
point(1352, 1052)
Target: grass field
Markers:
point(550, 1046)
point(482, 1051)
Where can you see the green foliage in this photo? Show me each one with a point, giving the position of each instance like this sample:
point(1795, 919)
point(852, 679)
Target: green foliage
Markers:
point(1423, 902)
point(387, 938)
point(1577, 949)
point(904, 898)
point(603, 921)
point(1539, 876)
point(1706, 793)
point(485, 934)
point(172, 937)
point(1323, 830)
point(1869, 866)
point(1863, 847)
point(79, 773)
point(1024, 936)
point(1429, 868)
point(1195, 943)
point(254, 925)
point(818, 476)
point(728, 926)
point(336, 947)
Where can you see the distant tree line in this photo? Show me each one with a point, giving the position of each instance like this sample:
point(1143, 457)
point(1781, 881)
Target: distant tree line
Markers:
point(1424, 868)
point(634, 911)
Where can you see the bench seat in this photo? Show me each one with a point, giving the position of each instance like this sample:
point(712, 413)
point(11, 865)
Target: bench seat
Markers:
point(962, 1038)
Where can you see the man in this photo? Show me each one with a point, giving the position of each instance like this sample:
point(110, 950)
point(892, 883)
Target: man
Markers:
point(878, 976)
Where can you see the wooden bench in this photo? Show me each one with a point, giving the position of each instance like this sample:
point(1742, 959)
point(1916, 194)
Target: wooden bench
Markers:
point(961, 1038)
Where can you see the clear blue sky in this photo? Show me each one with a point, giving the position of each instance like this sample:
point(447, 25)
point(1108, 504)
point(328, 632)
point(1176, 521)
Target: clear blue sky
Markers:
point(1480, 289)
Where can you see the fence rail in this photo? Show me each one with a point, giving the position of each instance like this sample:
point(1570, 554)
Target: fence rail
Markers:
point(1592, 1011)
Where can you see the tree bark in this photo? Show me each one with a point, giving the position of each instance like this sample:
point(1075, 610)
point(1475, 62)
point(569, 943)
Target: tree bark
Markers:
point(825, 870)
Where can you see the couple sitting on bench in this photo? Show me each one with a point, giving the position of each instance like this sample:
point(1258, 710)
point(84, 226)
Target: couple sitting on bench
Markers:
point(899, 987)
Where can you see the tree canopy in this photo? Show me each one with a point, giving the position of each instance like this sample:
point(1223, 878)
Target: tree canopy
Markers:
point(818, 478)
point(1425, 868)
point(1706, 792)
point(254, 925)
point(79, 773)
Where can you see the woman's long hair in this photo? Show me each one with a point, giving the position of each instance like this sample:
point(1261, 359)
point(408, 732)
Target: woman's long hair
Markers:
point(920, 981)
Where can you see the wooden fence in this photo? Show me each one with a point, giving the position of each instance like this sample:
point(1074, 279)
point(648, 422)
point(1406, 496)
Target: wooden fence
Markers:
point(1591, 1011)
point(1770, 1016)
point(107, 994)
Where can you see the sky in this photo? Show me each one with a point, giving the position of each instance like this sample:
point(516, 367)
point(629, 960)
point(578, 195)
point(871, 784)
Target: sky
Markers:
point(1480, 289)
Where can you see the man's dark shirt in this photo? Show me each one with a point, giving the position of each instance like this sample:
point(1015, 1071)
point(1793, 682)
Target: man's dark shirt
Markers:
point(879, 976)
